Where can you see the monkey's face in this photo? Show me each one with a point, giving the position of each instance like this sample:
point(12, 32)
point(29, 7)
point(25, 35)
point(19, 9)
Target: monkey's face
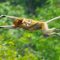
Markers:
point(17, 22)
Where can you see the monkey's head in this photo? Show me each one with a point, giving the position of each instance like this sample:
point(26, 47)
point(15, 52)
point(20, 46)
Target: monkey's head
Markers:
point(18, 22)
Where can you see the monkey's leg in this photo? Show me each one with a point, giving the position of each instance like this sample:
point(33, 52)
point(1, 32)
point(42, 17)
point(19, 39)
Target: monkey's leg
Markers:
point(46, 31)
point(44, 26)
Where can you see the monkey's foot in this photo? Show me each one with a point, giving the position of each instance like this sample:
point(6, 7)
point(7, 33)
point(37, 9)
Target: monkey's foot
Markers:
point(57, 30)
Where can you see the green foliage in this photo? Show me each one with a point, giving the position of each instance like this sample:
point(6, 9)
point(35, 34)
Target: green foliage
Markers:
point(19, 44)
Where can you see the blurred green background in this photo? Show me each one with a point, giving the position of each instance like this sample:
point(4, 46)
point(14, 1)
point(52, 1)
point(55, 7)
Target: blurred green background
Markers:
point(19, 44)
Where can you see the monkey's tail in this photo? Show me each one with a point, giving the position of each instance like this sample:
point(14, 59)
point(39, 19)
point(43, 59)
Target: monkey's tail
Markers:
point(53, 19)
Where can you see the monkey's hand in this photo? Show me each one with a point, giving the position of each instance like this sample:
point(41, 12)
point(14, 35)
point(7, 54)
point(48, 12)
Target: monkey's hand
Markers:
point(2, 16)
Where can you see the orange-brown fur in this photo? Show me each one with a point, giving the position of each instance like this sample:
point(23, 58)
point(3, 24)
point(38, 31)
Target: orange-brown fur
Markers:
point(22, 24)
point(30, 24)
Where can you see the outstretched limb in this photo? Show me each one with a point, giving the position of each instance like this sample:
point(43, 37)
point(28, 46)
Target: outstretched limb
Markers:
point(8, 27)
point(52, 32)
point(46, 30)
point(57, 30)
point(12, 17)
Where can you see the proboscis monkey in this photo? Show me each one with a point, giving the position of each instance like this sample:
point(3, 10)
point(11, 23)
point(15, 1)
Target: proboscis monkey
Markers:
point(30, 24)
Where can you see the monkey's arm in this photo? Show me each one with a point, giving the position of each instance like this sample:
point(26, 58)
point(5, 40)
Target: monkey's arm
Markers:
point(12, 17)
point(8, 27)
